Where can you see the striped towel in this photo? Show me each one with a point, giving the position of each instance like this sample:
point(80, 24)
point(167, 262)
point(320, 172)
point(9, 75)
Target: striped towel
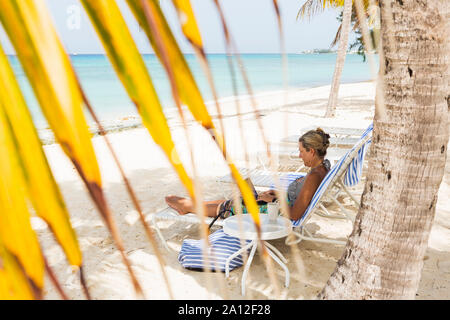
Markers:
point(221, 247)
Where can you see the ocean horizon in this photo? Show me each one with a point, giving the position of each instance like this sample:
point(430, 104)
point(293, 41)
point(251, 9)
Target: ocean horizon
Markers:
point(264, 71)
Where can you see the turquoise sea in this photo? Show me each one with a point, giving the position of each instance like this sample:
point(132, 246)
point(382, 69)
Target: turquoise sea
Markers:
point(264, 71)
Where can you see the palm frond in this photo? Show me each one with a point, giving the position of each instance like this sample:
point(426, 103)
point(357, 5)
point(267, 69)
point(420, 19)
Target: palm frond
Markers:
point(186, 85)
point(51, 76)
point(312, 7)
point(192, 34)
point(336, 37)
point(189, 24)
point(14, 284)
point(130, 67)
point(184, 82)
point(16, 235)
point(43, 190)
point(309, 9)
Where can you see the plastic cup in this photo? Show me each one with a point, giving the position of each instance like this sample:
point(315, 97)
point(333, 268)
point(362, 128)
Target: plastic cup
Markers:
point(272, 211)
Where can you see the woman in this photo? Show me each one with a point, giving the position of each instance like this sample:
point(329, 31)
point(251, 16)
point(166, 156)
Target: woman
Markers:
point(312, 150)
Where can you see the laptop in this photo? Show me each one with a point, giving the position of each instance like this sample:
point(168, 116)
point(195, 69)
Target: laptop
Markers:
point(255, 194)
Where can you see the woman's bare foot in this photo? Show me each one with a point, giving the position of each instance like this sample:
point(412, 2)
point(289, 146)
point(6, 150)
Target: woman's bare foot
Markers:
point(181, 205)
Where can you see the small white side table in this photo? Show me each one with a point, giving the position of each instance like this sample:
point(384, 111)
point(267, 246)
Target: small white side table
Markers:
point(243, 227)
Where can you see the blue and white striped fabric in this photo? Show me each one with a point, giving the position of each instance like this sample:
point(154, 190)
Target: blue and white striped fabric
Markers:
point(352, 174)
point(287, 179)
point(221, 247)
point(354, 171)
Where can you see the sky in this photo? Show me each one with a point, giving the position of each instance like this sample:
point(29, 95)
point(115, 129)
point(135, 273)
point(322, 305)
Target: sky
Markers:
point(252, 23)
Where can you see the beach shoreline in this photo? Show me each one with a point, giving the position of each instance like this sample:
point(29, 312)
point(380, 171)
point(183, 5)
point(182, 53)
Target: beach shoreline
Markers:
point(153, 178)
point(133, 121)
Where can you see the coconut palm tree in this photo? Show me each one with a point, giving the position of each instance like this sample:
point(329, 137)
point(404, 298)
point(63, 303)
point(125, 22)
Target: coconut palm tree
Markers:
point(340, 59)
point(312, 7)
point(384, 255)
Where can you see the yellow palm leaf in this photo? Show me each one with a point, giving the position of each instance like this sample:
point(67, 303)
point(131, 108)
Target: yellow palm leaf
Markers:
point(48, 68)
point(189, 24)
point(15, 228)
point(47, 199)
point(247, 195)
point(132, 71)
point(186, 86)
point(13, 282)
point(56, 87)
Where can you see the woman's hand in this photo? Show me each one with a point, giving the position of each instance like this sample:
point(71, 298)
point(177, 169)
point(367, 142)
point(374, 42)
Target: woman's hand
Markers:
point(267, 196)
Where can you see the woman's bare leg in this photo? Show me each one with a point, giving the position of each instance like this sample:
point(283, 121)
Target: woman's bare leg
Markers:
point(186, 205)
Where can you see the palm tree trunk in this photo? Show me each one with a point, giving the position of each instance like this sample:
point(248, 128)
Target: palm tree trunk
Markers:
point(383, 258)
point(340, 59)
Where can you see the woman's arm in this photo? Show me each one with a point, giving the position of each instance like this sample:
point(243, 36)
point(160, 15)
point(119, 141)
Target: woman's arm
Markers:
point(310, 186)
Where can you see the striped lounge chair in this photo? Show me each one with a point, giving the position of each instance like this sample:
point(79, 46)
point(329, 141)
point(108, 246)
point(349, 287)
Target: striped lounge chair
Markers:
point(345, 173)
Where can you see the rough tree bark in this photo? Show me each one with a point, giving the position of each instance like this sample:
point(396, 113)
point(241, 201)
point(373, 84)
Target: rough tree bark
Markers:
point(340, 59)
point(383, 258)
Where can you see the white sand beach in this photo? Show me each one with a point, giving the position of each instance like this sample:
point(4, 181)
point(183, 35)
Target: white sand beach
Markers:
point(153, 178)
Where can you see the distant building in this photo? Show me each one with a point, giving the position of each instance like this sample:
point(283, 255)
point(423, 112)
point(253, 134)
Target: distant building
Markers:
point(316, 51)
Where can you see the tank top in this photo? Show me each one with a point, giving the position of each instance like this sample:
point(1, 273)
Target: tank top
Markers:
point(295, 186)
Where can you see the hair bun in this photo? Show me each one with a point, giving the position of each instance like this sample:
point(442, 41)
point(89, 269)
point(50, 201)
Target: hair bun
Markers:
point(316, 139)
point(324, 135)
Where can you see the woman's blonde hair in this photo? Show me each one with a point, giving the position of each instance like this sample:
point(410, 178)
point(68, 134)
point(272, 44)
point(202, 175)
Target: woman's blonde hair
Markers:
point(317, 140)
